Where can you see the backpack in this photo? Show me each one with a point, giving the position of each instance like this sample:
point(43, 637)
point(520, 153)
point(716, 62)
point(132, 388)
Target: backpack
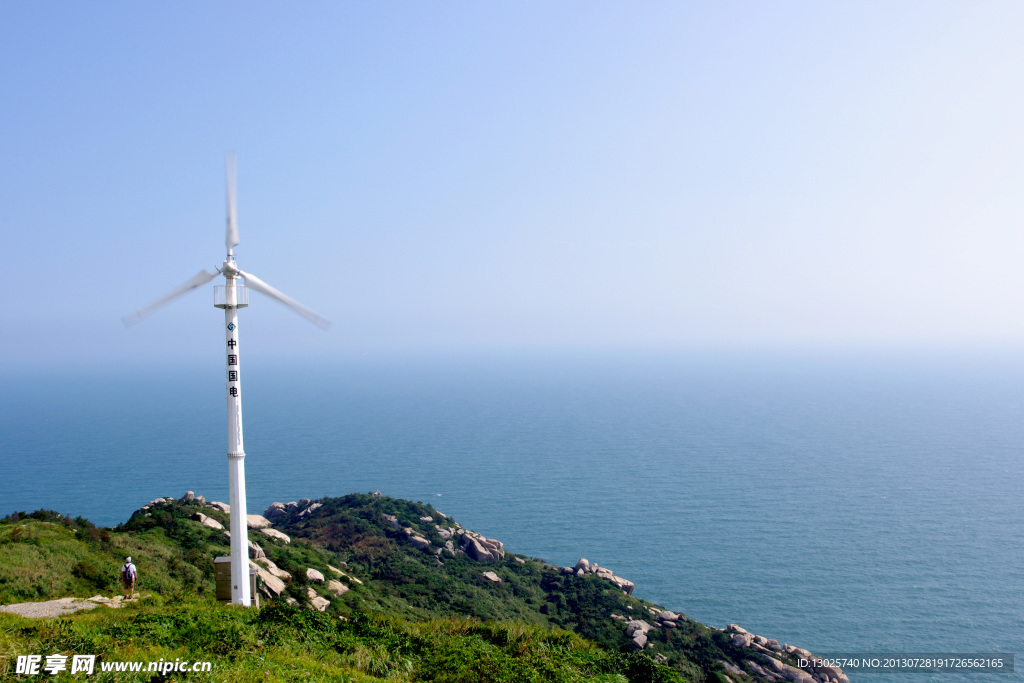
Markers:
point(127, 575)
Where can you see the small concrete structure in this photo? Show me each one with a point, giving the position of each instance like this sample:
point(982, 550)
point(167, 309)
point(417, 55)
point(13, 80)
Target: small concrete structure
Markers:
point(222, 572)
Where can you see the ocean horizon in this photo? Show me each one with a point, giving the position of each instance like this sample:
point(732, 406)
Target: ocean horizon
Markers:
point(841, 504)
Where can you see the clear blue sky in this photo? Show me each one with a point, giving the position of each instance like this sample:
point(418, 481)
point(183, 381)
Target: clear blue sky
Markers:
point(457, 176)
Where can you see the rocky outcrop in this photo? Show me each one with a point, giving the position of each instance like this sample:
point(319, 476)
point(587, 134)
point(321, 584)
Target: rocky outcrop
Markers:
point(257, 521)
point(337, 587)
point(584, 567)
point(274, 533)
point(491, 576)
point(273, 569)
point(187, 498)
point(317, 602)
point(207, 521)
point(217, 505)
point(480, 548)
point(765, 663)
point(274, 584)
point(314, 575)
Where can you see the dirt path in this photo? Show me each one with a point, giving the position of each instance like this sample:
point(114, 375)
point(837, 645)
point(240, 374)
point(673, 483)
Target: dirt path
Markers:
point(58, 608)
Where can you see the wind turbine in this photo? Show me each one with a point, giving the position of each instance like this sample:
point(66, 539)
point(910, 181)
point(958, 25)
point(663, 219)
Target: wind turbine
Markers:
point(232, 296)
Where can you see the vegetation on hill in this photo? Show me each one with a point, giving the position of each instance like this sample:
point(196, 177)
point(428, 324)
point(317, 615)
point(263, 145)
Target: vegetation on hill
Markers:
point(408, 614)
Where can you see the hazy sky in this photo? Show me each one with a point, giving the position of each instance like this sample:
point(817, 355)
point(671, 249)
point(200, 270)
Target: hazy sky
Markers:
point(473, 175)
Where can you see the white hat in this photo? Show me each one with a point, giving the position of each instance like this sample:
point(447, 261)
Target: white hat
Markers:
point(128, 559)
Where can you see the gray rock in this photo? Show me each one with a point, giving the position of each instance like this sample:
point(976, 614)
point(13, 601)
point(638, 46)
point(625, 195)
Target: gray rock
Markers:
point(207, 521)
point(734, 628)
point(317, 602)
point(477, 551)
point(201, 500)
point(393, 521)
point(274, 585)
point(637, 625)
point(255, 551)
point(421, 543)
point(639, 641)
point(314, 575)
point(583, 564)
point(291, 507)
point(217, 505)
point(773, 645)
point(257, 521)
point(188, 497)
point(269, 565)
point(337, 587)
point(276, 512)
point(274, 533)
point(742, 640)
point(426, 519)
point(626, 586)
point(731, 668)
point(310, 509)
point(519, 560)
point(665, 615)
point(303, 502)
point(491, 576)
point(581, 571)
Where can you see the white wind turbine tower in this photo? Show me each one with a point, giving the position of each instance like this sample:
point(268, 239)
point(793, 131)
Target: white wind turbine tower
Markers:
point(232, 296)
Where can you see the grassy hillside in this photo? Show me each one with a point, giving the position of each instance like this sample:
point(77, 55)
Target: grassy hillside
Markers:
point(412, 610)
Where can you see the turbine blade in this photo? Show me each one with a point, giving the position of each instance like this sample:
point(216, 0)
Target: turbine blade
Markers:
point(232, 233)
point(260, 286)
point(198, 280)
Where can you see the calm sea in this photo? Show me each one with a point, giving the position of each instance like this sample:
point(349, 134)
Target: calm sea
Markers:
point(843, 504)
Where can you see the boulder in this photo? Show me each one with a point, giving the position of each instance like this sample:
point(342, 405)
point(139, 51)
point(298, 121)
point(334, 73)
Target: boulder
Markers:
point(583, 564)
point(255, 551)
point(272, 568)
point(491, 576)
point(275, 512)
point(337, 587)
point(207, 521)
point(314, 575)
point(773, 645)
point(421, 543)
point(637, 625)
point(257, 521)
point(217, 505)
point(291, 507)
point(393, 521)
point(626, 586)
point(200, 500)
point(426, 519)
point(742, 640)
point(317, 602)
point(731, 668)
point(275, 586)
point(347, 576)
point(274, 533)
point(477, 551)
point(639, 641)
point(310, 509)
point(303, 502)
point(665, 615)
point(734, 628)
point(187, 498)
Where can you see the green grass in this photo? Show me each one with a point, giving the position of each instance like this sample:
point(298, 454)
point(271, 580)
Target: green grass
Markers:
point(413, 618)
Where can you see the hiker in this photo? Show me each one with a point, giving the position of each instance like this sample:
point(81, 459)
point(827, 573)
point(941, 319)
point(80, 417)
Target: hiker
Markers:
point(128, 575)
